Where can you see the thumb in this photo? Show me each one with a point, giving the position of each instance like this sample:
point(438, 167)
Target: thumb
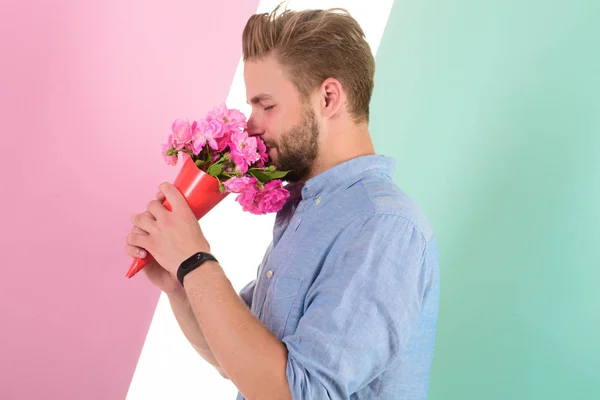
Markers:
point(173, 196)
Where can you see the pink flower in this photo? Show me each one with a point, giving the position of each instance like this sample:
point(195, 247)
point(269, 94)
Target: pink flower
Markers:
point(243, 150)
point(223, 143)
point(247, 199)
point(272, 197)
point(182, 134)
point(198, 144)
point(262, 152)
point(233, 120)
point(238, 185)
point(207, 131)
point(170, 160)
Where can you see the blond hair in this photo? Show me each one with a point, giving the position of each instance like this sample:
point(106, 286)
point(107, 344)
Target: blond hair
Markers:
point(314, 45)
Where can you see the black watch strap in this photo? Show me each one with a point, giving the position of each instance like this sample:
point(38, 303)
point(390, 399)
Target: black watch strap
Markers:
point(192, 263)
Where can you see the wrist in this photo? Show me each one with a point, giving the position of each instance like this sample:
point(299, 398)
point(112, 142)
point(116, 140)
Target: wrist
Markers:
point(194, 262)
point(205, 281)
point(177, 294)
point(208, 270)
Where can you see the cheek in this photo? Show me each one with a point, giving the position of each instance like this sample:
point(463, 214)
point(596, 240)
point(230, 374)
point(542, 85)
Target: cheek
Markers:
point(261, 120)
point(271, 119)
point(281, 121)
point(272, 127)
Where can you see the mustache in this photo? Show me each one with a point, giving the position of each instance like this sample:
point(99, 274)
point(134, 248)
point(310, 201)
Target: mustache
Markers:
point(270, 145)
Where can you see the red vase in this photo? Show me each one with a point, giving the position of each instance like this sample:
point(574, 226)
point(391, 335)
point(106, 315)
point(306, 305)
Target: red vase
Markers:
point(200, 190)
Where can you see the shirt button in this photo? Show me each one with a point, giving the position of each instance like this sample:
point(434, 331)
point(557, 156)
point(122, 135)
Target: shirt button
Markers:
point(318, 201)
point(269, 273)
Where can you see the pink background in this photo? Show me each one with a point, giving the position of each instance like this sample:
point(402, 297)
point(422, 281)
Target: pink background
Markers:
point(89, 89)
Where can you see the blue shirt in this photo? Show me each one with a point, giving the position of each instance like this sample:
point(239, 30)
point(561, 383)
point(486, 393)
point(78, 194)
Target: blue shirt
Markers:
point(350, 284)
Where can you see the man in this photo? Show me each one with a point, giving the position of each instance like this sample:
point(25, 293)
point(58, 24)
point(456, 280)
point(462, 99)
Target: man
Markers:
point(345, 301)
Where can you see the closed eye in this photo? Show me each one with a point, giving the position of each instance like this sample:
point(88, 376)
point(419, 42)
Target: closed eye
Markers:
point(268, 108)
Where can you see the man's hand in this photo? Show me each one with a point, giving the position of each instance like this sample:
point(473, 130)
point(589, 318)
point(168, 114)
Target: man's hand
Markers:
point(155, 273)
point(170, 236)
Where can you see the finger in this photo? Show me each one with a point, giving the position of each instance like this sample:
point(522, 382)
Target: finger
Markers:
point(145, 221)
point(141, 241)
point(138, 230)
point(160, 197)
point(173, 196)
point(156, 209)
point(135, 252)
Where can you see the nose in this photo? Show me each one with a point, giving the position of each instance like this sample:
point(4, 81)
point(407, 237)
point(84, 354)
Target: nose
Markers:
point(254, 128)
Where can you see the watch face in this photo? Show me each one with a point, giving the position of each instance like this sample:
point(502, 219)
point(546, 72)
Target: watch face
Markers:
point(192, 261)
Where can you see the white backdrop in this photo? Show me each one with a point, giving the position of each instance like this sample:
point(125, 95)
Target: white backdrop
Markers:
point(168, 367)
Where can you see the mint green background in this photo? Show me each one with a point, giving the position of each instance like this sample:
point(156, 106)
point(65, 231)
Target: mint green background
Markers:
point(492, 110)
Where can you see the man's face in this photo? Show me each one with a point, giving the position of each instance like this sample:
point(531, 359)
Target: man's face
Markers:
point(281, 118)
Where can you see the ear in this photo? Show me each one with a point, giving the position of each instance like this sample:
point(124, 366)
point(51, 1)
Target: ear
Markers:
point(332, 97)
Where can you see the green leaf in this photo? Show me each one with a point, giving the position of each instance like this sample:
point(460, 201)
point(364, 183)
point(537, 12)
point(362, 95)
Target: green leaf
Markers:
point(261, 176)
point(264, 175)
point(278, 174)
point(200, 163)
point(215, 170)
point(221, 187)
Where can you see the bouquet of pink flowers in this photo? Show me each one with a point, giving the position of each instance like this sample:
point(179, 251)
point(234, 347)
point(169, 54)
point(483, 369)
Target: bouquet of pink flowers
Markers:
point(219, 145)
point(221, 158)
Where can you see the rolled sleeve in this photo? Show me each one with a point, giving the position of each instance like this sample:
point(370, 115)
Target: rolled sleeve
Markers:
point(361, 309)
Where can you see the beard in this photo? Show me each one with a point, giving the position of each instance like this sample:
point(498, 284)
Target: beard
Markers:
point(298, 147)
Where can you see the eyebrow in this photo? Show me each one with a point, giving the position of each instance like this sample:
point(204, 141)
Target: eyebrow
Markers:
point(261, 97)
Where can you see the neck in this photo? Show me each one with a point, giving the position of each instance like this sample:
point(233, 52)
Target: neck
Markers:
point(340, 144)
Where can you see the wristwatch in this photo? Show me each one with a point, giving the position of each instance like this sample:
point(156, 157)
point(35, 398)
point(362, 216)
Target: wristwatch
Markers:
point(192, 263)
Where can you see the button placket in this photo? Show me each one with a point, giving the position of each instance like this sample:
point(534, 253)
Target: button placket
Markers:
point(266, 288)
point(262, 284)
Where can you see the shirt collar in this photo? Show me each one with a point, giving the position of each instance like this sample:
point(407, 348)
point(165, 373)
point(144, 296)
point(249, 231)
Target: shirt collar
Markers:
point(346, 174)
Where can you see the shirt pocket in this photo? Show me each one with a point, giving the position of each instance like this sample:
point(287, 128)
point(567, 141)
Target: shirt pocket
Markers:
point(283, 305)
